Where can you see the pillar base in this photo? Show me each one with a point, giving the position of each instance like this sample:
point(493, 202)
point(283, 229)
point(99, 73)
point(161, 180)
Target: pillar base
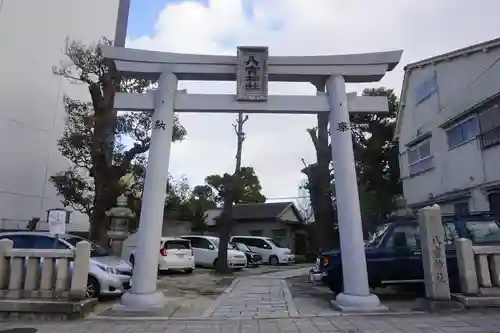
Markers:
point(142, 302)
point(354, 303)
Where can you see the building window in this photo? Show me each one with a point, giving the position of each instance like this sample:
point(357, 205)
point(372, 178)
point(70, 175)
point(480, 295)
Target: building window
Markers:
point(461, 133)
point(420, 158)
point(489, 124)
point(279, 236)
point(255, 233)
point(461, 208)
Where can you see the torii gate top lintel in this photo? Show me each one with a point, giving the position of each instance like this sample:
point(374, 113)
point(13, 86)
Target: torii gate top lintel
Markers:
point(364, 67)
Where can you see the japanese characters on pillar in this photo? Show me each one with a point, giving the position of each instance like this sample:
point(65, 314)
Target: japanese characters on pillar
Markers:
point(159, 124)
point(342, 126)
point(252, 73)
point(434, 253)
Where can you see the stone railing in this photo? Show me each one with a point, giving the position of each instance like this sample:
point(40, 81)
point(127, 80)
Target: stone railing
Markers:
point(479, 268)
point(43, 274)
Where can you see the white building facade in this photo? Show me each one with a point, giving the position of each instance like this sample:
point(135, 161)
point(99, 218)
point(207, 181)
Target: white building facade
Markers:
point(32, 38)
point(449, 130)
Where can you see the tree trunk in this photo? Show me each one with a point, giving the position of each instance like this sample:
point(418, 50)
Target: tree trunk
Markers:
point(100, 223)
point(326, 219)
point(229, 198)
point(225, 230)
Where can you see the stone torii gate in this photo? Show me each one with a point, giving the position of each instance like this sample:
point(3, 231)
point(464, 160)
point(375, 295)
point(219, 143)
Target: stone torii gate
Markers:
point(251, 69)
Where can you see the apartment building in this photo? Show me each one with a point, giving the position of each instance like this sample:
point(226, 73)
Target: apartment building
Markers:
point(448, 130)
point(32, 38)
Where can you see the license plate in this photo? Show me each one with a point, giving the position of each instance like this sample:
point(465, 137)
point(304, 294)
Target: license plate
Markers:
point(180, 255)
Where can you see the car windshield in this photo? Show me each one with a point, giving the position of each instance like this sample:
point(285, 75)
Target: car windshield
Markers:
point(95, 250)
point(242, 247)
point(376, 236)
point(483, 231)
point(216, 242)
point(275, 242)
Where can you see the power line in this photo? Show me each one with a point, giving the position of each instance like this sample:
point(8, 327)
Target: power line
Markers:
point(288, 198)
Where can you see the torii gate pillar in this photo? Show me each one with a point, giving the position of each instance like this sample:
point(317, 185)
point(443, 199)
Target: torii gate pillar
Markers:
point(356, 295)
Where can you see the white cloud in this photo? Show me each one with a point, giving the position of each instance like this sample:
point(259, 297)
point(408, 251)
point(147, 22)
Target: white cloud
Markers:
point(276, 144)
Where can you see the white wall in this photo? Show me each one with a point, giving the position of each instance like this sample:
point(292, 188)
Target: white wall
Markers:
point(463, 82)
point(32, 39)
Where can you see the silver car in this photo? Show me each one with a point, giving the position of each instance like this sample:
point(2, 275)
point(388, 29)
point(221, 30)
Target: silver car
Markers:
point(108, 275)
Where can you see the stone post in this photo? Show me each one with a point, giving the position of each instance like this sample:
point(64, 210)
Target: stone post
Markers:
point(144, 295)
point(437, 285)
point(120, 215)
point(467, 267)
point(5, 248)
point(79, 278)
point(356, 295)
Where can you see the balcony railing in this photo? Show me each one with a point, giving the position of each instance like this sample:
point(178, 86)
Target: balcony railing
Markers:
point(490, 138)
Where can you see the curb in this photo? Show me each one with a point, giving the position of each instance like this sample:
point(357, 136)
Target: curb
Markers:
point(233, 318)
point(292, 310)
point(211, 309)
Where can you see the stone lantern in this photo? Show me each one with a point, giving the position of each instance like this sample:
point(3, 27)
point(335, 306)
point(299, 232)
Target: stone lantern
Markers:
point(120, 216)
point(402, 209)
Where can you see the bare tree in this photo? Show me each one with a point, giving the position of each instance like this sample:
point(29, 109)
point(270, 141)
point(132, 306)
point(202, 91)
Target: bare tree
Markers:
point(232, 184)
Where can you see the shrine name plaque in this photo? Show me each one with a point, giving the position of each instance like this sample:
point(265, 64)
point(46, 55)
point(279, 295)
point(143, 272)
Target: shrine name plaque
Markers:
point(252, 73)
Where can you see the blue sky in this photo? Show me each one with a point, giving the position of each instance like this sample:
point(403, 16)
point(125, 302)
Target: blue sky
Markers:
point(142, 18)
point(422, 29)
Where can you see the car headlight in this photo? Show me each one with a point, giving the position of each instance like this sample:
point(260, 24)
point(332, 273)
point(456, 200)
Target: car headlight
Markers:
point(110, 270)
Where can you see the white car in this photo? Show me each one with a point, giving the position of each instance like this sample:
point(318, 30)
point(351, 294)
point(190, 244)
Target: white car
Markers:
point(206, 252)
point(270, 250)
point(108, 275)
point(173, 253)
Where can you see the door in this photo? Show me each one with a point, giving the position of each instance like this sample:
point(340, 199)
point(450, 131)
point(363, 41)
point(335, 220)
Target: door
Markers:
point(204, 254)
point(403, 245)
point(259, 246)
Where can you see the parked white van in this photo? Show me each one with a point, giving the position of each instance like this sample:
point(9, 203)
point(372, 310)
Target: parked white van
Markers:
point(206, 252)
point(271, 252)
point(174, 253)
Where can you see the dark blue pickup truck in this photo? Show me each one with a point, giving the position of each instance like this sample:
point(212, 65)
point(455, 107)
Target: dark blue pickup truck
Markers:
point(394, 256)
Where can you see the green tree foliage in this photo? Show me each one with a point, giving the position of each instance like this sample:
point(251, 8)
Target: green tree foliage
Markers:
point(246, 190)
point(377, 157)
point(92, 138)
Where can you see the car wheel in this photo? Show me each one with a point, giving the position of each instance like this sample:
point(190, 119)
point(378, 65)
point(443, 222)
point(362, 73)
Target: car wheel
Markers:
point(273, 260)
point(189, 270)
point(93, 287)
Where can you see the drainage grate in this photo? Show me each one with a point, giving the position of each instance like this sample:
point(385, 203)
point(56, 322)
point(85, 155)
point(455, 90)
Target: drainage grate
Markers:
point(20, 330)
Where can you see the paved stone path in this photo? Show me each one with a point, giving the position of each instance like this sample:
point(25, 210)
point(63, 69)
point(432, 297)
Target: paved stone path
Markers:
point(258, 297)
point(463, 323)
point(255, 298)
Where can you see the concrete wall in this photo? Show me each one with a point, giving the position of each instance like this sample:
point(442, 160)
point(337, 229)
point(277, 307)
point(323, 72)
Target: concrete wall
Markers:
point(463, 82)
point(32, 36)
point(175, 228)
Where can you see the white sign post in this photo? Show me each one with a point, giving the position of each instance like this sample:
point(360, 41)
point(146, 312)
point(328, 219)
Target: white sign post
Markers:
point(57, 222)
